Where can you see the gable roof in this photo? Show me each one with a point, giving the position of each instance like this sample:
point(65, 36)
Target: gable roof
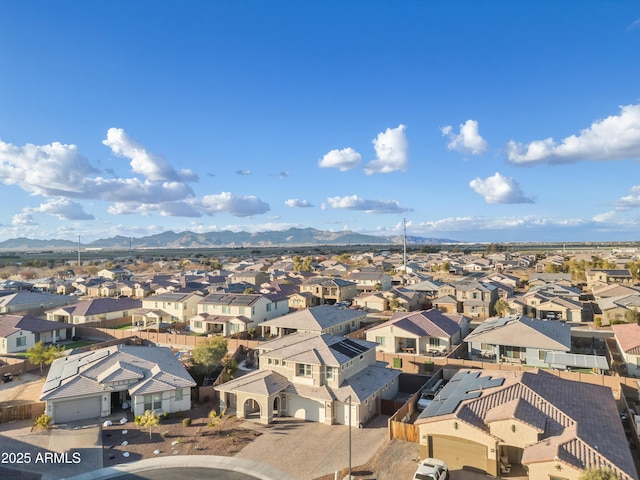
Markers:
point(431, 323)
point(315, 318)
point(523, 331)
point(10, 324)
point(97, 306)
point(150, 369)
point(628, 337)
point(577, 422)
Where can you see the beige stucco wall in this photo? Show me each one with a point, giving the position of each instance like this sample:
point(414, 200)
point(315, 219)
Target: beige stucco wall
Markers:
point(522, 436)
point(546, 470)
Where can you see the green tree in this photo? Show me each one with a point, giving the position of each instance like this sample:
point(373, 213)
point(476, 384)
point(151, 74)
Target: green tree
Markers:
point(210, 353)
point(394, 303)
point(632, 316)
point(502, 307)
point(148, 419)
point(445, 266)
point(248, 290)
point(229, 367)
point(39, 354)
point(216, 419)
point(598, 474)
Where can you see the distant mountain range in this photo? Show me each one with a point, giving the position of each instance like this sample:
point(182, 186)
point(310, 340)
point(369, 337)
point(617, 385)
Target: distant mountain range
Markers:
point(228, 239)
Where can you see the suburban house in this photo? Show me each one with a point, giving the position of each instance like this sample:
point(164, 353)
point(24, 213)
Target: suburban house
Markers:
point(614, 290)
point(320, 378)
point(615, 309)
point(398, 298)
point(446, 304)
point(425, 333)
point(431, 288)
point(598, 278)
point(115, 273)
point(493, 421)
point(254, 278)
point(101, 382)
point(329, 290)
point(318, 319)
point(478, 298)
point(627, 337)
point(18, 333)
point(301, 300)
point(228, 313)
point(24, 301)
point(518, 339)
point(370, 281)
point(94, 310)
point(536, 278)
point(179, 306)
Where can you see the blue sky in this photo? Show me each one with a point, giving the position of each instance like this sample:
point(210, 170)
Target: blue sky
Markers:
point(476, 121)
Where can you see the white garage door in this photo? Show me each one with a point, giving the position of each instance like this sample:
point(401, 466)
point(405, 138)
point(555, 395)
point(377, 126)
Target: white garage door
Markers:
point(73, 410)
point(306, 409)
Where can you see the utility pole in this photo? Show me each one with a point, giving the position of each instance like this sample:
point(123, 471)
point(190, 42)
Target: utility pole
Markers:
point(349, 400)
point(78, 251)
point(404, 242)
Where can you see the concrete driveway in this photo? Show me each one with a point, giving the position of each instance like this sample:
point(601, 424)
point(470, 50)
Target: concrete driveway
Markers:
point(308, 450)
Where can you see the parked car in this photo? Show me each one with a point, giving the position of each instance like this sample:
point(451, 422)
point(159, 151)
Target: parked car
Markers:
point(431, 469)
point(428, 394)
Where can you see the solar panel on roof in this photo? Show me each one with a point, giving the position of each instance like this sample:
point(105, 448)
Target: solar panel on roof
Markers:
point(357, 346)
point(345, 350)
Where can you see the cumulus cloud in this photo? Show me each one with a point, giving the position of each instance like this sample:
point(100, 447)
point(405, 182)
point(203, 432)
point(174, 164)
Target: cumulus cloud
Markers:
point(468, 141)
point(499, 189)
point(63, 209)
point(296, 203)
point(392, 151)
point(629, 201)
point(243, 172)
point(613, 138)
point(144, 163)
point(246, 206)
point(46, 170)
point(354, 202)
point(22, 219)
point(344, 159)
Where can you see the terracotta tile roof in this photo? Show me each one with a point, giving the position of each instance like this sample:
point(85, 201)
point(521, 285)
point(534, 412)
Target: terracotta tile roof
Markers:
point(628, 337)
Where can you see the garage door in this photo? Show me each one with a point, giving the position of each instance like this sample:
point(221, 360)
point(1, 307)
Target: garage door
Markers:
point(73, 410)
point(460, 453)
point(306, 409)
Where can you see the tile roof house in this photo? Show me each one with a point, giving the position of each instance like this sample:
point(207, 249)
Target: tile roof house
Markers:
point(405, 300)
point(21, 332)
point(228, 313)
point(518, 339)
point(598, 278)
point(101, 382)
point(554, 427)
point(312, 377)
point(370, 281)
point(329, 290)
point(426, 332)
point(24, 301)
point(318, 319)
point(614, 309)
point(627, 337)
point(94, 310)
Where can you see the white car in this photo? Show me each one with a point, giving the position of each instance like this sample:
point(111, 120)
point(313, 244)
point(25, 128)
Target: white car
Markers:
point(431, 469)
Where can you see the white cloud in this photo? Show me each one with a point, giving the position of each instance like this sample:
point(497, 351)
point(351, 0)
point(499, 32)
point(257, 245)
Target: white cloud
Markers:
point(391, 151)
point(354, 202)
point(296, 203)
point(246, 206)
point(629, 201)
point(22, 219)
point(47, 170)
point(243, 172)
point(63, 209)
point(499, 189)
point(635, 24)
point(151, 166)
point(344, 159)
point(468, 140)
point(613, 138)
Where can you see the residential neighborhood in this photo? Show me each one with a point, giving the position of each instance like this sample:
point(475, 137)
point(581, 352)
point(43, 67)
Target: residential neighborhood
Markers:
point(531, 375)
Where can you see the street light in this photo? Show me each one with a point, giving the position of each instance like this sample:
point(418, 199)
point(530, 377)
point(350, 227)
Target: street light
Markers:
point(348, 399)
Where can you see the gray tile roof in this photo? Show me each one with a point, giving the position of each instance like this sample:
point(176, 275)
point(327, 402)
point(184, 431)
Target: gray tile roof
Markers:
point(431, 323)
point(86, 373)
point(316, 318)
point(99, 306)
point(14, 323)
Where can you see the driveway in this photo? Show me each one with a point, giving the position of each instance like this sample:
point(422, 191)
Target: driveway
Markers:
point(308, 450)
point(60, 452)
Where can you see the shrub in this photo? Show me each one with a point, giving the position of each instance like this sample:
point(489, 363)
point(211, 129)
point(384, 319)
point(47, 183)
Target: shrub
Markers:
point(44, 421)
point(598, 321)
point(165, 415)
point(137, 419)
point(186, 422)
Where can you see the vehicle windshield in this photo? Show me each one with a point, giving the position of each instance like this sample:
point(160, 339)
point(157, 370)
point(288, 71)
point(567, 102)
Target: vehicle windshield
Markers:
point(424, 476)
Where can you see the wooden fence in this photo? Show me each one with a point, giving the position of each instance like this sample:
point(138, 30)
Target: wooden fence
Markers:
point(25, 411)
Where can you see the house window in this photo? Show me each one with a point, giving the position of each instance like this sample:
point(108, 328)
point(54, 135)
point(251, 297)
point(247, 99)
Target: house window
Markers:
point(179, 395)
point(541, 355)
point(486, 347)
point(268, 307)
point(330, 373)
point(304, 370)
point(153, 402)
point(36, 337)
point(226, 310)
point(21, 341)
point(434, 342)
point(233, 328)
point(197, 324)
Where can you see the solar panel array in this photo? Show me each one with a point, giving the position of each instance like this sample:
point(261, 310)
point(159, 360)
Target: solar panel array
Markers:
point(240, 300)
point(349, 348)
point(465, 386)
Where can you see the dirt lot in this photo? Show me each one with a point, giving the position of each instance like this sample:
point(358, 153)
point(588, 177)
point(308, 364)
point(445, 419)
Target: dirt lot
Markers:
point(171, 437)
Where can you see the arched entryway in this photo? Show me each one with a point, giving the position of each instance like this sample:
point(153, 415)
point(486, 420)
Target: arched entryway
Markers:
point(251, 408)
point(276, 407)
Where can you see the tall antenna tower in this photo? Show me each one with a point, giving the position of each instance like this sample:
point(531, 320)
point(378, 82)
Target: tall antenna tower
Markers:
point(404, 242)
point(78, 250)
